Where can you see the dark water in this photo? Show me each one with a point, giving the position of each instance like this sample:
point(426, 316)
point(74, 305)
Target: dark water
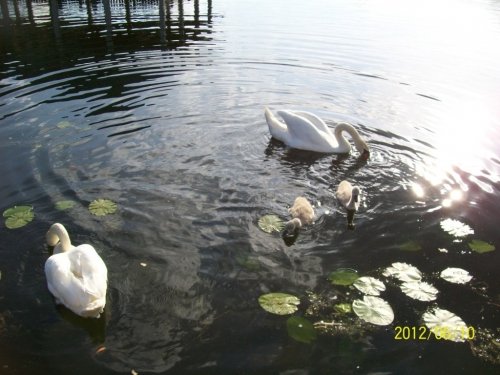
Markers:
point(161, 110)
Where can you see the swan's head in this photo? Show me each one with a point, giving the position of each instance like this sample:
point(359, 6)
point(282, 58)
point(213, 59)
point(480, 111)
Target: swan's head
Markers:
point(356, 196)
point(52, 238)
point(292, 227)
point(363, 148)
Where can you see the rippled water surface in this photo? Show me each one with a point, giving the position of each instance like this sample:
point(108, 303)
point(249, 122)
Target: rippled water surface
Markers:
point(160, 109)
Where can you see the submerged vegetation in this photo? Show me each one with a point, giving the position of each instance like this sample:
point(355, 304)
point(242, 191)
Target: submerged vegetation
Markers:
point(354, 304)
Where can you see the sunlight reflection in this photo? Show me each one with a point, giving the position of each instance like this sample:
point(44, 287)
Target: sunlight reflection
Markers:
point(418, 190)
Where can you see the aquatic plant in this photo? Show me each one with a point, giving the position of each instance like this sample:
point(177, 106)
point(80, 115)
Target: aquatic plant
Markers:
point(456, 275)
point(65, 205)
point(279, 303)
point(481, 246)
point(101, 207)
point(403, 272)
point(410, 245)
point(445, 324)
point(419, 290)
point(369, 285)
point(271, 223)
point(18, 216)
point(373, 310)
point(456, 228)
point(343, 276)
point(301, 329)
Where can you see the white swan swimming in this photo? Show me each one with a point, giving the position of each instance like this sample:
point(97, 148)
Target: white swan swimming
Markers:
point(350, 197)
point(306, 131)
point(76, 276)
point(302, 214)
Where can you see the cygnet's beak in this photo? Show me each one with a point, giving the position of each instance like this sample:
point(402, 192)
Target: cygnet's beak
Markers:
point(356, 198)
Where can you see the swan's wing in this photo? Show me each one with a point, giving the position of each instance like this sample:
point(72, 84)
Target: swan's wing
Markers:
point(87, 265)
point(315, 120)
point(66, 288)
point(305, 135)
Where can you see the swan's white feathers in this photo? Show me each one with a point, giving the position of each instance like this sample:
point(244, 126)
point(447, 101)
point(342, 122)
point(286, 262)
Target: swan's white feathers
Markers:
point(306, 131)
point(315, 120)
point(77, 277)
point(304, 134)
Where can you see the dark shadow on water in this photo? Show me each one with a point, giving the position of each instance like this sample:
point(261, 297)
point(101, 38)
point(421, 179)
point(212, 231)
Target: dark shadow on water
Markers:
point(95, 327)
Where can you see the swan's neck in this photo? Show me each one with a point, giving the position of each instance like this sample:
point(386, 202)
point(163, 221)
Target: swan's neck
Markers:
point(57, 233)
point(349, 129)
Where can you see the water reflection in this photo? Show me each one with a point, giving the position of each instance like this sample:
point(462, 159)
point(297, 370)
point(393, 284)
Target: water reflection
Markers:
point(158, 106)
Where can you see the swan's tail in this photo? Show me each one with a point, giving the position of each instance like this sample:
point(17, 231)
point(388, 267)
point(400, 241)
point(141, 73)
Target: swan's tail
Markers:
point(277, 128)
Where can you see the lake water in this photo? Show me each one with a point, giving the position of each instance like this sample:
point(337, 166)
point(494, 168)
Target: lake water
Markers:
point(161, 109)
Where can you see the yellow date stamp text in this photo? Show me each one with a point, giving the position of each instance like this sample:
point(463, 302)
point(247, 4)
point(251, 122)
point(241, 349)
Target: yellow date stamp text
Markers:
point(458, 333)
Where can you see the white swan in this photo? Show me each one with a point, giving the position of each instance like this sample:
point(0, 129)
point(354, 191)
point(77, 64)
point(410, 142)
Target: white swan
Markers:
point(350, 197)
point(302, 214)
point(306, 131)
point(76, 276)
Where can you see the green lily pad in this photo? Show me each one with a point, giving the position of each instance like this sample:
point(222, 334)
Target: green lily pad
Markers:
point(343, 276)
point(343, 308)
point(18, 216)
point(300, 329)
point(481, 246)
point(410, 246)
point(271, 223)
point(65, 205)
point(101, 207)
point(279, 303)
point(63, 124)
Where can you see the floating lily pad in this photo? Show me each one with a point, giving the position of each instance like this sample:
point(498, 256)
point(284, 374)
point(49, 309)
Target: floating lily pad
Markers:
point(271, 223)
point(373, 310)
point(343, 276)
point(101, 207)
point(18, 216)
point(369, 285)
point(445, 325)
point(456, 275)
point(410, 246)
point(279, 303)
point(65, 205)
point(343, 308)
point(63, 124)
point(419, 290)
point(403, 272)
point(456, 228)
point(300, 329)
point(481, 246)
